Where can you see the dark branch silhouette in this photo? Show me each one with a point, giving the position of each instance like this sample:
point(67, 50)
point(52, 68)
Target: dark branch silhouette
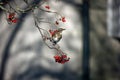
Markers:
point(86, 50)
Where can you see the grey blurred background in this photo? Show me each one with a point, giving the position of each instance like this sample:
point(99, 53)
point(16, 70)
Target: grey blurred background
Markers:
point(30, 59)
point(105, 50)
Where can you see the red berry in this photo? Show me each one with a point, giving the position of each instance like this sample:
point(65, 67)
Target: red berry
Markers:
point(63, 19)
point(15, 20)
point(11, 15)
point(61, 59)
point(52, 32)
point(47, 7)
point(12, 18)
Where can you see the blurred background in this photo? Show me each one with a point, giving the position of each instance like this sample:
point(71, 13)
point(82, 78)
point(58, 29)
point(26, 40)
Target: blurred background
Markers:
point(26, 57)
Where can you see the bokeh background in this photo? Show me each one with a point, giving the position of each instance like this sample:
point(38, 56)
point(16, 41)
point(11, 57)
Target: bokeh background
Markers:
point(28, 58)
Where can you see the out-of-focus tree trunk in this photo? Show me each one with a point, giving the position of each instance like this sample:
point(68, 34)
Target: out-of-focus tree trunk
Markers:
point(86, 51)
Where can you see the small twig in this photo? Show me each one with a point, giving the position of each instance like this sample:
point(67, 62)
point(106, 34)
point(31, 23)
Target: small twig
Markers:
point(3, 8)
point(50, 12)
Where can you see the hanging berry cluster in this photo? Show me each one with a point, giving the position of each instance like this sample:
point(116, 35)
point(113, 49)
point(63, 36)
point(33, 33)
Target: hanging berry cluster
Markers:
point(12, 18)
point(53, 35)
